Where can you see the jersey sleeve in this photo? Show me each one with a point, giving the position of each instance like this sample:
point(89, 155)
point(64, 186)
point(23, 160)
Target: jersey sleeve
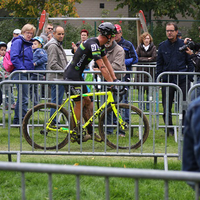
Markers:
point(103, 51)
point(97, 52)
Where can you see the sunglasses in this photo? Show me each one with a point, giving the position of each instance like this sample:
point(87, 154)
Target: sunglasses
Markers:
point(50, 28)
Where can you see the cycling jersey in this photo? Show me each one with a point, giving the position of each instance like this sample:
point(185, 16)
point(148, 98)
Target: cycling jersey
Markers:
point(88, 50)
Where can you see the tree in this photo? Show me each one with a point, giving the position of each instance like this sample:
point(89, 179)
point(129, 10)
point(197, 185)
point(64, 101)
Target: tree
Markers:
point(162, 7)
point(25, 8)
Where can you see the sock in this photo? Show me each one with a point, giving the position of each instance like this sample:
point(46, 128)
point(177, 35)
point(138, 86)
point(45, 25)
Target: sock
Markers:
point(90, 129)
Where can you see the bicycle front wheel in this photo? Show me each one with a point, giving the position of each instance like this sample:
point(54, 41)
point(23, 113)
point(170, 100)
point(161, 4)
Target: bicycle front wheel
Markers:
point(136, 132)
point(34, 127)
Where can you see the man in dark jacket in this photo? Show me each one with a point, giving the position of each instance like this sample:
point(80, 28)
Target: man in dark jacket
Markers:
point(130, 59)
point(171, 59)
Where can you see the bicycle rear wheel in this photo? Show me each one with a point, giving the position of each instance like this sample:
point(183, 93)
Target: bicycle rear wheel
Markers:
point(34, 127)
point(135, 134)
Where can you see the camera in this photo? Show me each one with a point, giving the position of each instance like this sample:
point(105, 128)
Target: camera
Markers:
point(189, 44)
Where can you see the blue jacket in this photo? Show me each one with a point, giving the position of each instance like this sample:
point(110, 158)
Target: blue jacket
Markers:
point(171, 59)
point(40, 59)
point(22, 61)
point(130, 53)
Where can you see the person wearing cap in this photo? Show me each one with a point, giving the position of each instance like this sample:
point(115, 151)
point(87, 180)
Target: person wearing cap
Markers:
point(92, 48)
point(131, 58)
point(130, 52)
point(16, 33)
point(39, 61)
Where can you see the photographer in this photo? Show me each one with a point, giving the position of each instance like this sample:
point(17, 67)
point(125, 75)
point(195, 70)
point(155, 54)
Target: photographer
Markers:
point(171, 59)
point(193, 50)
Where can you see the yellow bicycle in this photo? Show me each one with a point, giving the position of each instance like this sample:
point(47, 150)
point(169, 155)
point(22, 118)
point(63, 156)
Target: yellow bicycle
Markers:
point(41, 133)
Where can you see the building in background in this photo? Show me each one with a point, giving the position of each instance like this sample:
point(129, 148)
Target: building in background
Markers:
point(100, 8)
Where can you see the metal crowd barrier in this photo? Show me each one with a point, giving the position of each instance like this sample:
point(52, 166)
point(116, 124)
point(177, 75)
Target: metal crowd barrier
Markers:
point(94, 149)
point(195, 88)
point(2, 78)
point(45, 91)
point(194, 91)
point(106, 172)
point(175, 110)
point(149, 67)
point(144, 93)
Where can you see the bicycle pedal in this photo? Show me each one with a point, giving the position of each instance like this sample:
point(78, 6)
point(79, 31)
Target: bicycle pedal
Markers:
point(42, 132)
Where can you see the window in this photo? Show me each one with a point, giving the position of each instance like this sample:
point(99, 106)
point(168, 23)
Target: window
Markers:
point(101, 5)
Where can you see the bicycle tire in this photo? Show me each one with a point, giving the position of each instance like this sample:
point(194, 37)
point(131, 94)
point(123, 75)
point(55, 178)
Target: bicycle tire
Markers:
point(139, 125)
point(38, 117)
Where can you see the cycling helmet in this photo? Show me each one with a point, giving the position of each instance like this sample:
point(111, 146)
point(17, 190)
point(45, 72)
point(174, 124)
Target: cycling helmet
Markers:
point(107, 28)
point(3, 44)
point(39, 39)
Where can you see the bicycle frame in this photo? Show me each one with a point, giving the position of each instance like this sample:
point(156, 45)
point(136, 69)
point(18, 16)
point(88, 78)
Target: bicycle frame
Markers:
point(110, 100)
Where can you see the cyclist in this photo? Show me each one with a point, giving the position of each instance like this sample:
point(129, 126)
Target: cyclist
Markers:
point(93, 48)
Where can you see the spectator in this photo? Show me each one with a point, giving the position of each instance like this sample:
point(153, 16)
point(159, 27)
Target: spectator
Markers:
point(195, 57)
point(130, 53)
point(191, 143)
point(116, 57)
point(22, 58)
point(130, 59)
point(146, 52)
point(39, 61)
point(171, 59)
point(84, 36)
point(49, 36)
point(16, 33)
point(92, 48)
point(3, 47)
point(48, 29)
point(56, 61)
point(179, 35)
point(196, 60)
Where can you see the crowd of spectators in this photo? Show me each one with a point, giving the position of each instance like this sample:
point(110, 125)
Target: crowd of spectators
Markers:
point(168, 58)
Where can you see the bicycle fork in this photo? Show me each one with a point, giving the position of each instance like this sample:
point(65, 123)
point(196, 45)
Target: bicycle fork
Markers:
point(123, 125)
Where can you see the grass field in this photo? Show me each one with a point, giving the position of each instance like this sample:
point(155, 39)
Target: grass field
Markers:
point(64, 186)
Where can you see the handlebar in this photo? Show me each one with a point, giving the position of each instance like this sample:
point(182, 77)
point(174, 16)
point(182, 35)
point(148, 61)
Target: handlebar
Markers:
point(121, 91)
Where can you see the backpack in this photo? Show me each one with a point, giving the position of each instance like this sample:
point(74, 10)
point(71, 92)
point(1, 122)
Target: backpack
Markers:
point(7, 64)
